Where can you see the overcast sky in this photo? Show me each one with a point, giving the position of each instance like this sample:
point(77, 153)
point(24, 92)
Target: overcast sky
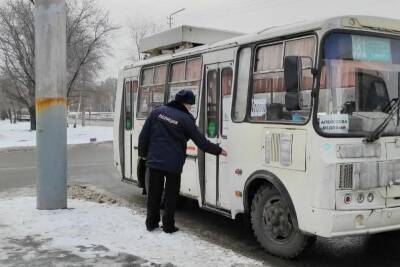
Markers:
point(236, 15)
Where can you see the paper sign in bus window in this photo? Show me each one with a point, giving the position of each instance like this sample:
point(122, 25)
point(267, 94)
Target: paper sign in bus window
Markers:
point(258, 107)
point(334, 123)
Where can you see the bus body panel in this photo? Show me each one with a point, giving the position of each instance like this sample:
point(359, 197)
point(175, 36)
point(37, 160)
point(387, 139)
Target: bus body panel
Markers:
point(295, 181)
point(190, 183)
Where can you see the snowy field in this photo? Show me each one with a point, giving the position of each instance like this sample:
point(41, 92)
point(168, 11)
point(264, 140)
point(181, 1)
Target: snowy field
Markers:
point(112, 228)
point(19, 135)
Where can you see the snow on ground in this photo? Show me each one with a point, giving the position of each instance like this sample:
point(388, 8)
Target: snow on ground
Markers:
point(114, 228)
point(19, 135)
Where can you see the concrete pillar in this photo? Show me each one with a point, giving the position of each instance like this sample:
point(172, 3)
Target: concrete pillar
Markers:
point(51, 103)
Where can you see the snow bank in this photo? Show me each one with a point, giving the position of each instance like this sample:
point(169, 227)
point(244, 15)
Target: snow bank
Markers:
point(19, 135)
point(117, 228)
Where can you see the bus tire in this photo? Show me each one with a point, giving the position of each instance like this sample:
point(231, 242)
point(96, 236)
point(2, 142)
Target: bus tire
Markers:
point(272, 224)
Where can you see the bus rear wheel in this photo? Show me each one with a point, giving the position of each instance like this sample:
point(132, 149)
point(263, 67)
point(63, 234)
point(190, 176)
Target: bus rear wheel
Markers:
point(273, 226)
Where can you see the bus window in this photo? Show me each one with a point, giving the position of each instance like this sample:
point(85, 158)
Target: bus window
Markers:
point(269, 58)
point(128, 106)
point(135, 85)
point(160, 73)
point(212, 108)
point(267, 80)
point(147, 77)
point(226, 89)
point(178, 72)
point(158, 87)
point(305, 48)
point(268, 102)
point(193, 69)
point(152, 90)
point(240, 101)
point(186, 75)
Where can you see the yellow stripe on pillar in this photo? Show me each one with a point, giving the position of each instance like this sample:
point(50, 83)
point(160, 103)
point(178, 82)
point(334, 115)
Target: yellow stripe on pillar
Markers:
point(46, 102)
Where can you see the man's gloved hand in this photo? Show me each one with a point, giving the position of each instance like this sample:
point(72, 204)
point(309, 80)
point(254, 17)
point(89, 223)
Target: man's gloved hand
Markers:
point(223, 153)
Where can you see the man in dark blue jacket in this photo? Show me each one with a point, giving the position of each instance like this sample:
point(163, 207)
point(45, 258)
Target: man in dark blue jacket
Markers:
point(162, 142)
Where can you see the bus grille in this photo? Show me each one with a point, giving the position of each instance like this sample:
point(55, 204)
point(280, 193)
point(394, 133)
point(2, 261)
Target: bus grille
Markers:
point(275, 147)
point(346, 176)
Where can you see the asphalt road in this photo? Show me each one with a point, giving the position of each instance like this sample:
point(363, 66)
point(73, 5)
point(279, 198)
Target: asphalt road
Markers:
point(93, 164)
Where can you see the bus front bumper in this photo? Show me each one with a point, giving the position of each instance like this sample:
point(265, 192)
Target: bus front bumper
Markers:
point(331, 223)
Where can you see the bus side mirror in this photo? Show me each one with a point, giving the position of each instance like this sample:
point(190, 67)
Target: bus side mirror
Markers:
point(292, 76)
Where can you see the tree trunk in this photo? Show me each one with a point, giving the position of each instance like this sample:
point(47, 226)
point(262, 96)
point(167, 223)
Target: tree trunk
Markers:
point(32, 114)
point(10, 115)
point(14, 114)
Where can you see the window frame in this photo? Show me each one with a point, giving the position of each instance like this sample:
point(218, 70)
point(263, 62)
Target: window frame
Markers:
point(222, 134)
point(315, 123)
point(235, 83)
point(169, 75)
point(128, 87)
point(283, 42)
point(168, 64)
point(217, 102)
point(141, 86)
point(254, 72)
point(254, 46)
point(170, 82)
point(255, 57)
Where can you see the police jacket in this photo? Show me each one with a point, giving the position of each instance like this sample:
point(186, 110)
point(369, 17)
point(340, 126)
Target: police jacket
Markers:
point(164, 137)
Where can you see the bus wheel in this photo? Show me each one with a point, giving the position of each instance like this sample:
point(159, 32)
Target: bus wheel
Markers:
point(273, 225)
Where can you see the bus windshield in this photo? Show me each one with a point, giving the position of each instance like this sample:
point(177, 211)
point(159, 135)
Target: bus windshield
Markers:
point(359, 84)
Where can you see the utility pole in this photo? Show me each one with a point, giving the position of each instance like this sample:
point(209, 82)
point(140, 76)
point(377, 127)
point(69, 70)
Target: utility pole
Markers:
point(169, 18)
point(51, 103)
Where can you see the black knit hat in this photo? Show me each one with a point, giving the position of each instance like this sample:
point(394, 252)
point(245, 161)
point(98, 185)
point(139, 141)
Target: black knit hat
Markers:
point(185, 97)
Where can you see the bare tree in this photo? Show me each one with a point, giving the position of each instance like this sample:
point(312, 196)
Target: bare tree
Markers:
point(9, 107)
point(100, 96)
point(17, 48)
point(106, 99)
point(5, 103)
point(139, 29)
point(88, 33)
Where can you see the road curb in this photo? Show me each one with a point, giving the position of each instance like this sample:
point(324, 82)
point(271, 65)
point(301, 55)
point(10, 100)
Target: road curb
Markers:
point(33, 148)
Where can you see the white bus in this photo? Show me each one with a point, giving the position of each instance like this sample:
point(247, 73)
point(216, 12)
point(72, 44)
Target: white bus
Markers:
point(308, 114)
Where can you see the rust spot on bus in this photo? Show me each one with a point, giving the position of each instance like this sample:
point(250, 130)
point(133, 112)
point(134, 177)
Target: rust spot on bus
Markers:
point(46, 102)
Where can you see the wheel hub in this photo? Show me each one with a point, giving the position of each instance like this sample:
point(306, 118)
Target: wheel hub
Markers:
point(276, 218)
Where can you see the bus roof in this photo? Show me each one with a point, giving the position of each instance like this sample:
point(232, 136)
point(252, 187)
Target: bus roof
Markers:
point(348, 22)
point(181, 36)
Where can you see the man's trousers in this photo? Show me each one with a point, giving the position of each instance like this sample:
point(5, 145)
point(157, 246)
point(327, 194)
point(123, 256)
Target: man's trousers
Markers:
point(154, 194)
